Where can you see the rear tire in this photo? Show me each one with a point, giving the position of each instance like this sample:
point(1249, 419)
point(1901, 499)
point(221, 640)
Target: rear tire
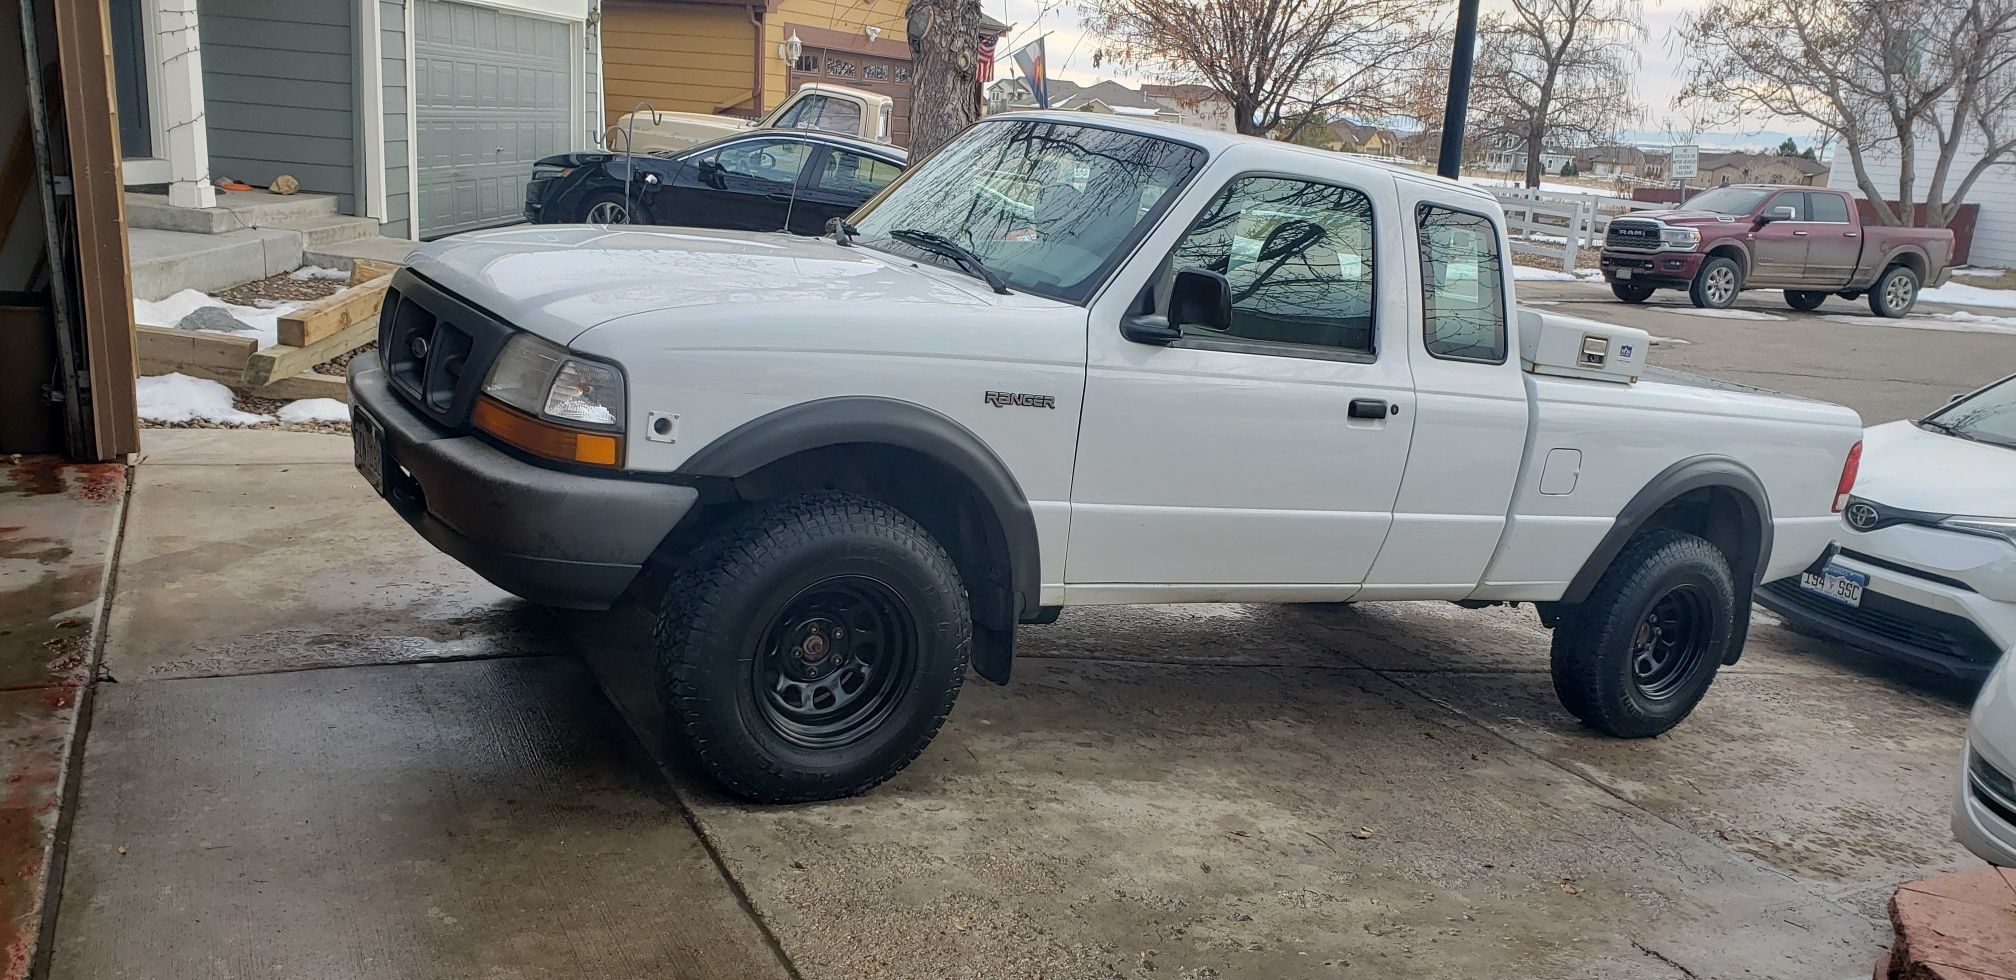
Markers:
point(611, 208)
point(1718, 283)
point(1803, 300)
point(1635, 658)
point(1631, 292)
point(1895, 293)
point(812, 649)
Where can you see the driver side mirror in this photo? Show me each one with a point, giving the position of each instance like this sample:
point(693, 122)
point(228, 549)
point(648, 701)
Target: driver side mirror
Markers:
point(711, 174)
point(1777, 214)
point(1197, 297)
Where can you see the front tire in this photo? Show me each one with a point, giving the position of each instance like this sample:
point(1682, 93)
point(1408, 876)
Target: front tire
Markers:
point(812, 649)
point(1715, 287)
point(1803, 300)
point(1895, 293)
point(1631, 292)
point(1635, 658)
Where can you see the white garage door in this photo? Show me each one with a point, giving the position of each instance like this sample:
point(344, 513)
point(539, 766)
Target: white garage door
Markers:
point(493, 93)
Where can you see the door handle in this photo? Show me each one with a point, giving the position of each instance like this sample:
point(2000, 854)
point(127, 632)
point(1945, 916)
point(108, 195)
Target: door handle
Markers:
point(1851, 234)
point(781, 198)
point(1370, 408)
point(1801, 234)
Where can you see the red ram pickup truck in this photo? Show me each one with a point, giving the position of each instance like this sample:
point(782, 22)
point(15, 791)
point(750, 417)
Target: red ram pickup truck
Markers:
point(1808, 241)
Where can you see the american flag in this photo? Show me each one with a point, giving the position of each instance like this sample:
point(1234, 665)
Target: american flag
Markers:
point(986, 69)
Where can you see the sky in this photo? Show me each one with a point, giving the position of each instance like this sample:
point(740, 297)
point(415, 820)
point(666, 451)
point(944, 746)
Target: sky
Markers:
point(1069, 51)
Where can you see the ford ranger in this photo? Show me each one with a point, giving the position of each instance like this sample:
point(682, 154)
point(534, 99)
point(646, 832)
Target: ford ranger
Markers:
point(816, 105)
point(1069, 361)
point(1808, 241)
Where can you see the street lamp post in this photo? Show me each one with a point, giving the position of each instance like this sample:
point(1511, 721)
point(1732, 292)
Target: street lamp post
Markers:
point(1450, 162)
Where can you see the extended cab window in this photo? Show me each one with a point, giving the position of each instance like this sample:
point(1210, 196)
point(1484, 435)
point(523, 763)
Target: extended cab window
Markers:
point(852, 173)
point(1462, 286)
point(1828, 207)
point(1298, 256)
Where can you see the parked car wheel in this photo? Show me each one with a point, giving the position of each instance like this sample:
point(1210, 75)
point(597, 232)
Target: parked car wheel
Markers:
point(1636, 657)
point(1716, 286)
point(1800, 299)
point(611, 208)
point(1895, 292)
point(812, 649)
point(1632, 292)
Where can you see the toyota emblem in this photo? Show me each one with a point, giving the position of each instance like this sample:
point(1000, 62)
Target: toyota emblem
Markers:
point(1862, 516)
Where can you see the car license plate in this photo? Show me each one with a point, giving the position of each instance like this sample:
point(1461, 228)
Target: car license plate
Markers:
point(367, 443)
point(1838, 584)
point(1624, 273)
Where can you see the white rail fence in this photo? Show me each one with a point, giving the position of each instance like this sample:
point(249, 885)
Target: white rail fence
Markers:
point(1558, 225)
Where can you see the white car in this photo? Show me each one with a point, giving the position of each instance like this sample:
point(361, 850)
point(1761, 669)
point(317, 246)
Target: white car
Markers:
point(1926, 569)
point(1984, 818)
point(1069, 360)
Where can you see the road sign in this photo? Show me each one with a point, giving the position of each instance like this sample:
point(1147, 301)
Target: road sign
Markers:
point(1686, 161)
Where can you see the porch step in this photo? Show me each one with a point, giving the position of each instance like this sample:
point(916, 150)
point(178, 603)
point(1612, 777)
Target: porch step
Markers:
point(328, 229)
point(340, 254)
point(235, 211)
point(167, 261)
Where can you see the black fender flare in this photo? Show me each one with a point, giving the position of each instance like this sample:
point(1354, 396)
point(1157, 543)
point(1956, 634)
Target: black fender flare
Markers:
point(1685, 476)
point(867, 419)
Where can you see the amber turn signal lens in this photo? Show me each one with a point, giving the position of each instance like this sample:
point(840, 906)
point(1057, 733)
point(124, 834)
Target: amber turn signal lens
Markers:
point(542, 438)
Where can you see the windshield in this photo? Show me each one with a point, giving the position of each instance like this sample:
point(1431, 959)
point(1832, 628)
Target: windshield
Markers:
point(1988, 415)
point(1728, 200)
point(1048, 207)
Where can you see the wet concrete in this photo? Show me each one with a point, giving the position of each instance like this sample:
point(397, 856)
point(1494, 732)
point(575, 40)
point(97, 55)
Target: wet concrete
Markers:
point(481, 819)
point(235, 562)
point(1268, 791)
point(58, 530)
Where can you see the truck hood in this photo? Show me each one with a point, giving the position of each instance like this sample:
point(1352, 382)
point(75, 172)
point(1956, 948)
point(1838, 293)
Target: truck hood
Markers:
point(558, 281)
point(1917, 469)
point(1684, 217)
point(689, 121)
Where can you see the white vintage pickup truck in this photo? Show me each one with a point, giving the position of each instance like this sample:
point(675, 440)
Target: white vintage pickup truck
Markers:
point(1070, 361)
point(816, 105)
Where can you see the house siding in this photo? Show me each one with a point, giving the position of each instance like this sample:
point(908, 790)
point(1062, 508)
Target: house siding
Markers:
point(851, 18)
point(1994, 234)
point(280, 93)
point(680, 58)
point(398, 220)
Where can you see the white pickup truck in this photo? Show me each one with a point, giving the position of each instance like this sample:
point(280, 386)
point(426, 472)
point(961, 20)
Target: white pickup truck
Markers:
point(1070, 361)
point(816, 106)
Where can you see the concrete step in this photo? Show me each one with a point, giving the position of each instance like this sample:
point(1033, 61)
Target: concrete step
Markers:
point(167, 261)
point(328, 229)
point(235, 211)
point(340, 254)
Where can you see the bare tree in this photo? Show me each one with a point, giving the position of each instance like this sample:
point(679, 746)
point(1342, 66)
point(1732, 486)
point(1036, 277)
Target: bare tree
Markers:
point(1903, 77)
point(944, 50)
point(1297, 61)
point(1555, 71)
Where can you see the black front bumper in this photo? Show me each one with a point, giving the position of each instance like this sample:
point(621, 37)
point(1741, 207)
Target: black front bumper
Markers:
point(556, 538)
point(1892, 627)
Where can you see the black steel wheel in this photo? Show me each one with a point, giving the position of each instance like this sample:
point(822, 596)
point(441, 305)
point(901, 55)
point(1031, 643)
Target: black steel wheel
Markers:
point(1635, 657)
point(812, 648)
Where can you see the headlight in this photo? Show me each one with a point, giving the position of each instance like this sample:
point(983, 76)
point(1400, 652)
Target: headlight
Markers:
point(1994, 527)
point(1680, 237)
point(547, 171)
point(540, 397)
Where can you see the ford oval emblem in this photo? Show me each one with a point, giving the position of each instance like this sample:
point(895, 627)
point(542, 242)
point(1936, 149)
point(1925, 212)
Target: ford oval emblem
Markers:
point(1861, 516)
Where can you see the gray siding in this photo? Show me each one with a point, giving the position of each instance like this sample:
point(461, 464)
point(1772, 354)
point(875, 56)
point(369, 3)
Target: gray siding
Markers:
point(398, 185)
point(279, 91)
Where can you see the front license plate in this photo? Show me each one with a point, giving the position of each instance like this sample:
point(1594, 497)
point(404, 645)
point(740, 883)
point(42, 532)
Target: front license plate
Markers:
point(1838, 584)
point(1624, 273)
point(367, 442)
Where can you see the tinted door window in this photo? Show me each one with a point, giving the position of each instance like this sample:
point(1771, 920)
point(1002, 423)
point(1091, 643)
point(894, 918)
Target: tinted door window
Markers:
point(853, 175)
point(744, 166)
point(1827, 207)
point(1298, 257)
point(1462, 287)
point(742, 185)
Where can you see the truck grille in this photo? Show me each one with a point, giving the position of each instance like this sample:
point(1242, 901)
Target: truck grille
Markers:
point(1625, 233)
point(435, 347)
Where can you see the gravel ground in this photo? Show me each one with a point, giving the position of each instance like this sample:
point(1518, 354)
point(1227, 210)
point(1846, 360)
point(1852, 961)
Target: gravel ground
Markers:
point(263, 406)
point(281, 287)
point(338, 365)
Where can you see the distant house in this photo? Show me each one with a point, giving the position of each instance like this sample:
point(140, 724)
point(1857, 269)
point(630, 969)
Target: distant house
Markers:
point(1351, 137)
point(1513, 158)
point(1718, 169)
point(1196, 105)
point(1108, 98)
point(423, 114)
point(1612, 160)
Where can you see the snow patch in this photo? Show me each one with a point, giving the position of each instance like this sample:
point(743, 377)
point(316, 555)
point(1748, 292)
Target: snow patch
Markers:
point(1957, 322)
point(314, 410)
point(1977, 272)
point(1658, 341)
point(181, 398)
point(319, 272)
point(262, 322)
point(1723, 314)
point(1530, 274)
point(1962, 294)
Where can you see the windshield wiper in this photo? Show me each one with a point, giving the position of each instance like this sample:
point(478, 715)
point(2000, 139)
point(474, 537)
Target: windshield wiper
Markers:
point(931, 241)
point(1946, 429)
